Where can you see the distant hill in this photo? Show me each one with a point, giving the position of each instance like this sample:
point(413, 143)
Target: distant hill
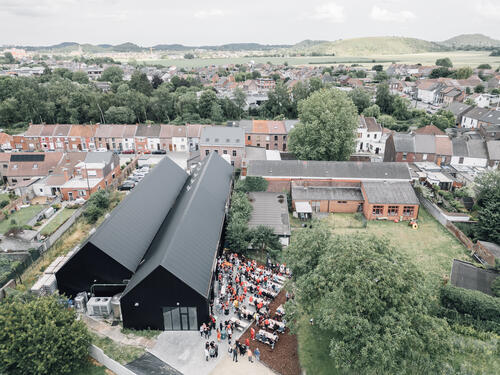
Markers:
point(374, 46)
point(470, 41)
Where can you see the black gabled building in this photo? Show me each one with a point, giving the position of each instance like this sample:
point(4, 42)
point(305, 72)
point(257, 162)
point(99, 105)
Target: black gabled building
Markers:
point(159, 246)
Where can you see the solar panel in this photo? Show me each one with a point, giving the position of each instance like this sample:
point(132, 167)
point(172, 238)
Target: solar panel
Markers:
point(27, 157)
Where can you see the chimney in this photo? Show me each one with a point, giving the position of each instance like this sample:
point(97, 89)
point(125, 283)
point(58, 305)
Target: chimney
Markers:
point(65, 171)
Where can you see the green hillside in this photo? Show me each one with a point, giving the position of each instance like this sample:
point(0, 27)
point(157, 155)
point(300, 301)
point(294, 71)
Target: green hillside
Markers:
point(470, 41)
point(375, 46)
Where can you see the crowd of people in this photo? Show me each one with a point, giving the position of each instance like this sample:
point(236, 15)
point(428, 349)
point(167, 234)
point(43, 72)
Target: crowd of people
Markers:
point(245, 289)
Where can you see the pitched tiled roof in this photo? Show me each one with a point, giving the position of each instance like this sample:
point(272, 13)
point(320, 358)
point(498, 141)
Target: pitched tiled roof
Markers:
point(372, 125)
point(48, 130)
point(152, 131)
point(493, 150)
point(430, 129)
point(443, 145)
point(34, 130)
point(384, 192)
point(268, 127)
point(34, 168)
point(222, 136)
point(84, 131)
point(62, 130)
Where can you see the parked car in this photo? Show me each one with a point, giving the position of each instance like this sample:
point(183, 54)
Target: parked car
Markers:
point(159, 152)
point(134, 179)
point(101, 149)
point(127, 185)
point(128, 152)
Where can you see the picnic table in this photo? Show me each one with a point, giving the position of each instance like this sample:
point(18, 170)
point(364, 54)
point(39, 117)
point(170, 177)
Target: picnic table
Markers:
point(280, 310)
point(269, 293)
point(267, 338)
point(245, 313)
point(238, 323)
point(257, 300)
point(274, 323)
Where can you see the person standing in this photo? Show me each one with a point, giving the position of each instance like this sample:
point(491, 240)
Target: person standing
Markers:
point(235, 353)
point(206, 353)
point(252, 333)
point(257, 354)
point(250, 357)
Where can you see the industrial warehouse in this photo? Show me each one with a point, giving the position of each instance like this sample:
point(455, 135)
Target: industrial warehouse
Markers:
point(158, 248)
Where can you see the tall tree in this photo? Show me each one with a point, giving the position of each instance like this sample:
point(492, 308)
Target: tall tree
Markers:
point(361, 98)
point(240, 99)
point(205, 104)
point(140, 82)
point(113, 74)
point(326, 131)
point(384, 98)
point(487, 187)
point(367, 301)
point(446, 62)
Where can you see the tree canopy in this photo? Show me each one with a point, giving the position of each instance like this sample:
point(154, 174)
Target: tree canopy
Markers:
point(326, 131)
point(487, 188)
point(446, 62)
point(41, 336)
point(367, 301)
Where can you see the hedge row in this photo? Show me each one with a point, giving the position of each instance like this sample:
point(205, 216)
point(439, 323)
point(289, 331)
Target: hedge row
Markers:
point(474, 303)
point(454, 317)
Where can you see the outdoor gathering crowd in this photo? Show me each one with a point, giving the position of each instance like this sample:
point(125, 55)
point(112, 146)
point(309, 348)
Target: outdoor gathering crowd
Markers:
point(243, 283)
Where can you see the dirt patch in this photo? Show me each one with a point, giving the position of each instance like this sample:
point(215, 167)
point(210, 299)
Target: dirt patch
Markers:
point(284, 358)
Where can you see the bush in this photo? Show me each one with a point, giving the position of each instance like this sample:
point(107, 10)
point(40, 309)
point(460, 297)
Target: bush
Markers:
point(27, 227)
point(56, 206)
point(251, 183)
point(3, 204)
point(454, 318)
point(471, 302)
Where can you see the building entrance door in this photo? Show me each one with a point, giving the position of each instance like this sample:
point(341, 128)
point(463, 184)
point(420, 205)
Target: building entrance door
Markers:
point(180, 318)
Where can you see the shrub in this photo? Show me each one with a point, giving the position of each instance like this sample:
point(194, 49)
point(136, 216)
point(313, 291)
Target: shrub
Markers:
point(3, 204)
point(471, 302)
point(56, 206)
point(251, 183)
point(27, 227)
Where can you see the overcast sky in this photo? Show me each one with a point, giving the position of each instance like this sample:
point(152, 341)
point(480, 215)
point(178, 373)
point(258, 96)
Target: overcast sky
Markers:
point(202, 22)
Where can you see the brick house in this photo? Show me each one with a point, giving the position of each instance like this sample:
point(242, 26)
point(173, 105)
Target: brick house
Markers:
point(115, 137)
point(343, 187)
point(418, 147)
point(81, 137)
point(97, 171)
point(272, 135)
point(147, 138)
point(229, 142)
point(27, 166)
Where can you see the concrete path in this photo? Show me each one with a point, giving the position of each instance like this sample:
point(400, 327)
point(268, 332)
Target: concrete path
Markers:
point(115, 334)
point(242, 367)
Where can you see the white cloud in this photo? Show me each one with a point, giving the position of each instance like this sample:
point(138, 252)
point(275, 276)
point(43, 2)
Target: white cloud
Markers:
point(203, 14)
point(380, 14)
point(34, 8)
point(487, 8)
point(330, 12)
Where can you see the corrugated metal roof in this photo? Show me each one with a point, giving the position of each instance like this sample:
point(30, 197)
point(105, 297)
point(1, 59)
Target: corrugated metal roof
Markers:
point(268, 211)
point(329, 169)
point(390, 192)
point(127, 233)
point(186, 243)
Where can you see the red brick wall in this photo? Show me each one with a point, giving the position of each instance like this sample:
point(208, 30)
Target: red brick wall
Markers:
point(236, 159)
point(260, 140)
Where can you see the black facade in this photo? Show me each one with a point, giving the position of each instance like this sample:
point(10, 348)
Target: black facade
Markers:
point(148, 304)
point(90, 267)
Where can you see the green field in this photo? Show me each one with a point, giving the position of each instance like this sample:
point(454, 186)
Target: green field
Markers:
point(431, 248)
point(21, 217)
point(459, 58)
point(57, 221)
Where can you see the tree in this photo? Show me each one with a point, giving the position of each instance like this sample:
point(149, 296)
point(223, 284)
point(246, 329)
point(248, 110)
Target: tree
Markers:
point(113, 74)
point(378, 68)
point(440, 72)
point(387, 121)
point(41, 336)
point(384, 99)
point(251, 183)
point(237, 233)
point(189, 56)
point(279, 102)
point(372, 111)
point(9, 57)
point(479, 89)
point(263, 238)
point(381, 76)
point(216, 113)
point(326, 131)
point(487, 189)
point(240, 99)
point(207, 99)
point(400, 108)
point(361, 98)
point(368, 301)
point(484, 66)
point(156, 81)
point(446, 62)
point(119, 115)
point(463, 73)
point(80, 77)
point(140, 82)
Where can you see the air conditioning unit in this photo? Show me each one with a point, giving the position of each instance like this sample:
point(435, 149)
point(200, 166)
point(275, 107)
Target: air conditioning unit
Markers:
point(99, 306)
point(81, 302)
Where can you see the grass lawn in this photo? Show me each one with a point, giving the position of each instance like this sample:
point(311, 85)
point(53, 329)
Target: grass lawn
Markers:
point(431, 247)
point(21, 217)
point(57, 221)
point(93, 368)
point(4, 197)
point(119, 352)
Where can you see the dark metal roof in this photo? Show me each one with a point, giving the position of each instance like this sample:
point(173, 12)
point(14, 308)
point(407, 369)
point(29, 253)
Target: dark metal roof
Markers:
point(27, 157)
point(329, 169)
point(326, 193)
point(126, 234)
point(390, 192)
point(466, 275)
point(186, 243)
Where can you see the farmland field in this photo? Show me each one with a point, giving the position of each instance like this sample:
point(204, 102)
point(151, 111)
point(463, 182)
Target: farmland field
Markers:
point(459, 58)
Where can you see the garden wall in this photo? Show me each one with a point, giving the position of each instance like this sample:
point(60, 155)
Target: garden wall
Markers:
point(63, 228)
point(111, 364)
